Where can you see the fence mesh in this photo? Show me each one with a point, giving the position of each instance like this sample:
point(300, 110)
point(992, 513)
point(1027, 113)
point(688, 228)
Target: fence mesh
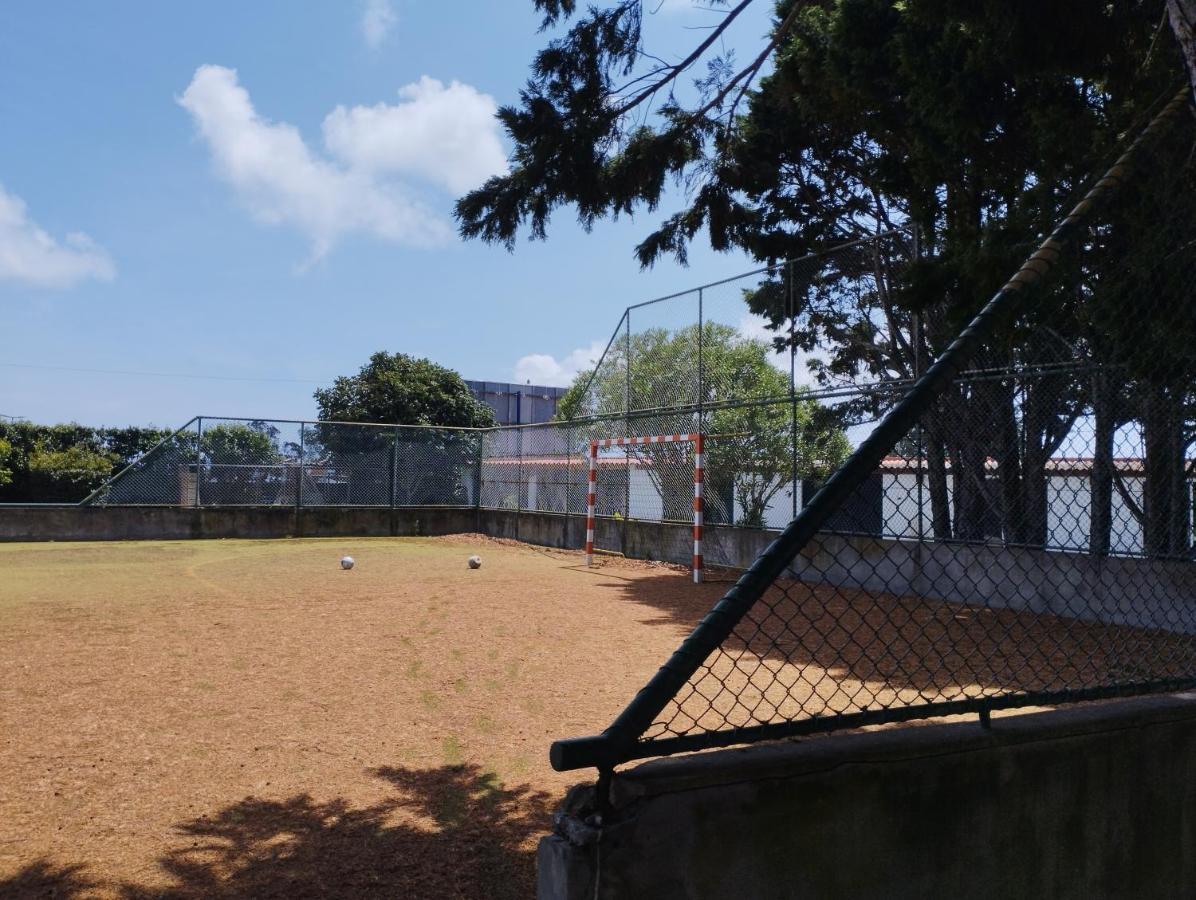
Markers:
point(259, 462)
point(1033, 494)
point(1025, 535)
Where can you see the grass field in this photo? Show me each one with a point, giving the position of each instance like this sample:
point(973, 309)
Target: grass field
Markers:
point(243, 718)
point(238, 719)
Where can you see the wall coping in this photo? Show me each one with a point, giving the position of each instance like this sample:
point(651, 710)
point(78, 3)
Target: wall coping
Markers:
point(806, 756)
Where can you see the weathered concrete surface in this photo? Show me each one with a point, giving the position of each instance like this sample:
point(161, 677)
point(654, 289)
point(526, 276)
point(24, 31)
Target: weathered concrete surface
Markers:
point(118, 523)
point(1118, 590)
point(1088, 802)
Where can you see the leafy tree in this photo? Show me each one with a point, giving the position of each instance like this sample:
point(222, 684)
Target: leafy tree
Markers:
point(5, 461)
point(394, 388)
point(397, 389)
point(233, 443)
point(82, 453)
point(750, 454)
point(976, 122)
point(67, 474)
point(922, 109)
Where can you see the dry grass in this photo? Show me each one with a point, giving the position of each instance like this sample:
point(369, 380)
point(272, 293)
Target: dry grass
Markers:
point(242, 718)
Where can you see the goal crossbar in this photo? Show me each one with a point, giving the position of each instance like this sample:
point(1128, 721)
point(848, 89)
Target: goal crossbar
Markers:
point(699, 478)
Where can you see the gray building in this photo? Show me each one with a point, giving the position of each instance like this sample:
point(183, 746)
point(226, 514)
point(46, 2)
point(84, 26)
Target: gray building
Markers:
point(518, 404)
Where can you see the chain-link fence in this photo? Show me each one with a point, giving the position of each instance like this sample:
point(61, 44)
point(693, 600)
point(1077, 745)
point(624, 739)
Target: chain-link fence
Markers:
point(1013, 524)
point(257, 462)
point(723, 360)
point(974, 517)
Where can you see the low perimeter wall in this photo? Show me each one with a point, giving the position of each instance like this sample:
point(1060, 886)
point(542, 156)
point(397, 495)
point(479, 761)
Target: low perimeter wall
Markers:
point(1118, 590)
point(167, 523)
point(1089, 802)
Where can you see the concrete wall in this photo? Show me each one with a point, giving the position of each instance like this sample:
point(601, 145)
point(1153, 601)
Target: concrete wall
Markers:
point(1114, 589)
point(118, 523)
point(1089, 802)
point(1119, 590)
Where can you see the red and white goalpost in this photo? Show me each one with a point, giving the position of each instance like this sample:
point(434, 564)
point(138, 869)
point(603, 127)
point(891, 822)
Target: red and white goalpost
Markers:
point(591, 495)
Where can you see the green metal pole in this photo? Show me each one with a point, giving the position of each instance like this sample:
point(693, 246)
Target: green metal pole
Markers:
point(198, 460)
point(618, 742)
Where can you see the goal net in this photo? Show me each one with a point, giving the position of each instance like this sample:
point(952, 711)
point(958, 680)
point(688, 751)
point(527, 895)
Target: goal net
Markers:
point(660, 477)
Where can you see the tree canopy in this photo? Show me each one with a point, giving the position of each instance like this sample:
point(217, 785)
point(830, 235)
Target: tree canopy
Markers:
point(397, 389)
point(752, 449)
point(241, 443)
point(977, 124)
point(64, 463)
point(849, 116)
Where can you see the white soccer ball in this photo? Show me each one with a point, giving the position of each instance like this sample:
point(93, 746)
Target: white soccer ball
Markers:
point(346, 562)
point(475, 562)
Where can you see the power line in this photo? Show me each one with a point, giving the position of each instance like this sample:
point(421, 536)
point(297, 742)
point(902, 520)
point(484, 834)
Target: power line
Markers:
point(162, 374)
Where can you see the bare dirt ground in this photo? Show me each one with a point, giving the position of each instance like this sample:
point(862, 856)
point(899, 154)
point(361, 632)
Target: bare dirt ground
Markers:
point(244, 719)
point(236, 719)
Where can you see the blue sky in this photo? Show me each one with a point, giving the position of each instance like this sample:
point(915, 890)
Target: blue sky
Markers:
point(263, 191)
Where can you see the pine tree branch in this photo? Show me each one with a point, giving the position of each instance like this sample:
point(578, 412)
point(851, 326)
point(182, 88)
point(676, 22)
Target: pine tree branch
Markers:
point(748, 73)
point(675, 71)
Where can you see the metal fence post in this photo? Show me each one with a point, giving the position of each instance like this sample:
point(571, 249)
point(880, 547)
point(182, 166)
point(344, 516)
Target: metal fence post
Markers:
point(394, 467)
point(518, 478)
point(626, 433)
point(198, 457)
point(299, 472)
point(477, 481)
point(920, 436)
point(701, 431)
point(791, 304)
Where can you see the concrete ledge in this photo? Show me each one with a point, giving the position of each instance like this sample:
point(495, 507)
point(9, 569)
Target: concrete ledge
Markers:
point(128, 523)
point(1094, 801)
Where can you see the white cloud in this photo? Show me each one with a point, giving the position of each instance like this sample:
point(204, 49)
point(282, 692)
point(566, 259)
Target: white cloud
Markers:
point(756, 328)
point(283, 182)
point(444, 133)
point(377, 20)
point(30, 256)
point(545, 369)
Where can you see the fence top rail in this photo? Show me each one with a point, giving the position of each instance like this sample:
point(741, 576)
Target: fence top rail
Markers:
point(388, 425)
point(828, 251)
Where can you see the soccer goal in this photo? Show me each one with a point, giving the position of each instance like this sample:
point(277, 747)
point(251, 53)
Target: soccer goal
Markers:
point(630, 442)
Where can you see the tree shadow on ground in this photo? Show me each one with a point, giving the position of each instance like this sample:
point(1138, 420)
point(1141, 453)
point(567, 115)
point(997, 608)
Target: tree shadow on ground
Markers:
point(453, 831)
point(44, 878)
point(892, 642)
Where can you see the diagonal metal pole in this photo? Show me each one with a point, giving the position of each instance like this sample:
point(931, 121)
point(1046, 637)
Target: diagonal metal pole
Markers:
point(617, 743)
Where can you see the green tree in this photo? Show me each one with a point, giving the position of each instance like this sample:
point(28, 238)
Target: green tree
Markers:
point(63, 463)
point(926, 109)
point(5, 462)
point(241, 463)
point(752, 449)
point(976, 122)
point(397, 389)
point(240, 443)
point(66, 475)
point(415, 466)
